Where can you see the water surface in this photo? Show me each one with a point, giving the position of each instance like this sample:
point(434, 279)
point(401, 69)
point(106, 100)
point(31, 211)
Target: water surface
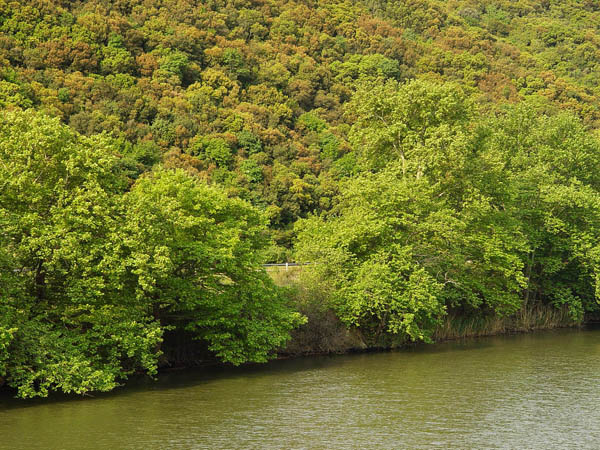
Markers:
point(539, 390)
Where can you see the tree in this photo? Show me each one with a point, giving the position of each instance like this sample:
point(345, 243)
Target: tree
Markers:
point(63, 325)
point(92, 274)
point(196, 256)
point(367, 255)
point(418, 123)
point(550, 185)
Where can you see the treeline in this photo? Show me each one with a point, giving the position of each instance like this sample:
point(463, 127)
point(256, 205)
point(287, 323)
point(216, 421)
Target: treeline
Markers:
point(457, 213)
point(452, 213)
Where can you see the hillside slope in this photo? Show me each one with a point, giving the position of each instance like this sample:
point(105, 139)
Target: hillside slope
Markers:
point(253, 94)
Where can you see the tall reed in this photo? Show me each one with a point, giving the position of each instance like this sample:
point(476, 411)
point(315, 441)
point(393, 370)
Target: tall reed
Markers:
point(536, 317)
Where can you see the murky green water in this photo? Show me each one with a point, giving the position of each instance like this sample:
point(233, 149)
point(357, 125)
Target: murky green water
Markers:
point(528, 391)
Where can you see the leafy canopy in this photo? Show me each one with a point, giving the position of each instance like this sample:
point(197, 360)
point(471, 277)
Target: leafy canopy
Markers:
point(94, 271)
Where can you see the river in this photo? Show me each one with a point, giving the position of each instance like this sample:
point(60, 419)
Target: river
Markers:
point(539, 390)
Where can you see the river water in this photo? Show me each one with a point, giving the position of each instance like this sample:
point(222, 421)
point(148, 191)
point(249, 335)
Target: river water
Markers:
point(539, 390)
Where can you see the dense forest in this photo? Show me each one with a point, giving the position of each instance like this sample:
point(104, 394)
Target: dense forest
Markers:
point(429, 160)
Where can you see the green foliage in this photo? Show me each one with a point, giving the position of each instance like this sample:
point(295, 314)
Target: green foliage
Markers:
point(173, 63)
point(312, 121)
point(92, 349)
point(176, 75)
point(471, 187)
point(330, 145)
point(196, 253)
point(6, 336)
point(553, 189)
point(366, 66)
point(363, 255)
point(485, 217)
point(236, 64)
point(418, 123)
point(249, 142)
point(92, 273)
point(213, 150)
point(116, 60)
point(252, 170)
point(59, 212)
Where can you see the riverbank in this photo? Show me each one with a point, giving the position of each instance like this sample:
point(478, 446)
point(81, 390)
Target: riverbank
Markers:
point(325, 334)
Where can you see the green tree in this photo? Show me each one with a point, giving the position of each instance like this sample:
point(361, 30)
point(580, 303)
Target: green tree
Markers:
point(92, 274)
point(196, 256)
point(418, 123)
point(549, 184)
point(63, 326)
point(366, 255)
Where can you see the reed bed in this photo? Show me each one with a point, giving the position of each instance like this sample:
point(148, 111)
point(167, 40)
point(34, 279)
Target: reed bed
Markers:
point(538, 317)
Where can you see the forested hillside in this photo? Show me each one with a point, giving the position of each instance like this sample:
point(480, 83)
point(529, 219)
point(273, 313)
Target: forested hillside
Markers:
point(428, 157)
point(253, 95)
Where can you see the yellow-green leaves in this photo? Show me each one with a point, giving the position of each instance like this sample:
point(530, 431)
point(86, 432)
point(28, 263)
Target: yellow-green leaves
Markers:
point(195, 254)
point(479, 216)
point(92, 275)
point(418, 124)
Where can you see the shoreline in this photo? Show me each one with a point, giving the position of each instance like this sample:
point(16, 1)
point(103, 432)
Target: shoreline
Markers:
point(450, 330)
point(5, 392)
point(325, 335)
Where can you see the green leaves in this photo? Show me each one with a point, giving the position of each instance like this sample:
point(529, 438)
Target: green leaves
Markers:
point(479, 217)
point(59, 209)
point(80, 350)
point(418, 123)
point(92, 275)
point(389, 294)
point(367, 255)
point(551, 190)
point(195, 254)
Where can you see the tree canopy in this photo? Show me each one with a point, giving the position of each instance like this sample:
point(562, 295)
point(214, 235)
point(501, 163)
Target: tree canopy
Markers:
point(224, 90)
point(94, 270)
point(483, 217)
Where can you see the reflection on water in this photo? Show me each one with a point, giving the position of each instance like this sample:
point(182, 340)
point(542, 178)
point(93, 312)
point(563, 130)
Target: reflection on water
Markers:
point(528, 391)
